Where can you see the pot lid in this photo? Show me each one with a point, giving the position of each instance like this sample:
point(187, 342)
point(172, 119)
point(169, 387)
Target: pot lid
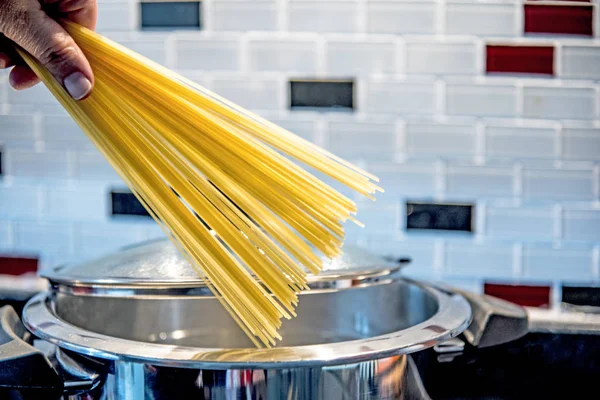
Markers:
point(160, 262)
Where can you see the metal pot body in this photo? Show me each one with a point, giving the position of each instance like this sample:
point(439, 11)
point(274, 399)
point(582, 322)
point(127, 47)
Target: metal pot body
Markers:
point(391, 378)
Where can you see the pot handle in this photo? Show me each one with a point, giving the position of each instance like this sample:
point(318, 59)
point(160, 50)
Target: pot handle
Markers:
point(22, 366)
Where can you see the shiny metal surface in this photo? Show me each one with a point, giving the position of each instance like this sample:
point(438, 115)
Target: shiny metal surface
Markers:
point(560, 321)
point(159, 263)
point(334, 327)
point(385, 379)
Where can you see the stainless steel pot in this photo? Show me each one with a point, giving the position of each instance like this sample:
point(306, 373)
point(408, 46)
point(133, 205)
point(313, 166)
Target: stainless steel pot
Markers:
point(141, 324)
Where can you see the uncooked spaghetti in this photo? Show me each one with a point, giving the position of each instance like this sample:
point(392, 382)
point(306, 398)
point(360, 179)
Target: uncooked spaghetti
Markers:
point(218, 179)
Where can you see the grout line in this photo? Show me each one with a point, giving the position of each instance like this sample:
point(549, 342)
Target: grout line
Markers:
point(401, 141)
point(481, 60)
point(558, 212)
point(244, 55)
point(321, 56)
point(440, 97)
point(439, 250)
point(400, 60)
point(361, 16)
point(556, 295)
point(440, 17)
point(440, 171)
point(520, 100)
point(283, 20)
point(596, 183)
point(557, 61)
point(206, 16)
point(481, 219)
point(596, 19)
point(518, 180)
point(596, 263)
point(480, 143)
point(517, 264)
point(171, 51)
point(520, 19)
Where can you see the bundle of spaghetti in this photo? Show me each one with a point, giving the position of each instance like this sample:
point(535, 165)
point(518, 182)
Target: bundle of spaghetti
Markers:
point(220, 180)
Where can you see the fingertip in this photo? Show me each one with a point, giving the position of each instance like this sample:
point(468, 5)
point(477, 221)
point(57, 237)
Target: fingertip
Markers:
point(22, 77)
point(6, 61)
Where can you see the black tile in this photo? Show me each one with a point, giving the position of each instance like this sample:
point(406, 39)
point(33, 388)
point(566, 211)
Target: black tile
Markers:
point(125, 203)
point(581, 295)
point(437, 216)
point(327, 94)
point(171, 15)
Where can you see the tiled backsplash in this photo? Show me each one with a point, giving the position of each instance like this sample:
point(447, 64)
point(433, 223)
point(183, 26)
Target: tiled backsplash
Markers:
point(447, 101)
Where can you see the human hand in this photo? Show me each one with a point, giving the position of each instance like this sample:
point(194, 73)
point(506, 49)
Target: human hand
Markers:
point(30, 24)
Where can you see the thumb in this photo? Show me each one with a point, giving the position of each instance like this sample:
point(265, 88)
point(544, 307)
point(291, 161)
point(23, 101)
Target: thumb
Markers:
point(47, 41)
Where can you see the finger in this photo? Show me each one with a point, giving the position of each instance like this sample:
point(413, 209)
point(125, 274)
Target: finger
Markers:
point(22, 77)
point(6, 61)
point(8, 56)
point(47, 41)
point(83, 12)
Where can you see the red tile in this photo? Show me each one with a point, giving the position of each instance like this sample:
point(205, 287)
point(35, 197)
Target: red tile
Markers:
point(529, 296)
point(17, 265)
point(520, 59)
point(559, 19)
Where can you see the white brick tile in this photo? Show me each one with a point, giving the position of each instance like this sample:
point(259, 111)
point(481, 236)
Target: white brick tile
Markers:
point(359, 57)
point(504, 140)
point(38, 165)
point(401, 17)
point(470, 260)
point(76, 202)
point(283, 54)
point(484, 99)
point(565, 264)
point(304, 126)
point(559, 102)
point(116, 16)
point(581, 224)
point(581, 143)
point(492, 18)
point(323, 16)
point(421, 252)
point(362, 140)
point(63, 131)
point(16, 127)
point(93, 165)
point(152, 232)
point(153, 48)
point(98, 239)
point(558, 184)
point(472, 182)
point(405, 97)
point(18, 201)
point(535, 223)
point(426, 56)
point(53, 108)
point(6, 236)
point(400, 180)
point(255, 15)
point(379, 218)
point(257, 93)
point(35, 96)
point(208, 53)
point(440, 139)
point(580, 62)
point(42, 237)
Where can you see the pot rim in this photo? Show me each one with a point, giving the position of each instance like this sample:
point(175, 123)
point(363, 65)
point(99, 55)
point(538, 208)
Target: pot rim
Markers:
point(452, 318)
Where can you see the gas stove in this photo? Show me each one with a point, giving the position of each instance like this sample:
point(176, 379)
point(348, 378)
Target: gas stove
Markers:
point(536, 366)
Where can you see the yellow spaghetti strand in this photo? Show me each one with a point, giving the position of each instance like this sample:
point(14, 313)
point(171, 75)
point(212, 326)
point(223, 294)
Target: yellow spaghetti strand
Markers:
point(222, 182)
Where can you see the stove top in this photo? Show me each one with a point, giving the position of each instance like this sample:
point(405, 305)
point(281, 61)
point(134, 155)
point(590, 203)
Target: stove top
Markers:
point(537, 366)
